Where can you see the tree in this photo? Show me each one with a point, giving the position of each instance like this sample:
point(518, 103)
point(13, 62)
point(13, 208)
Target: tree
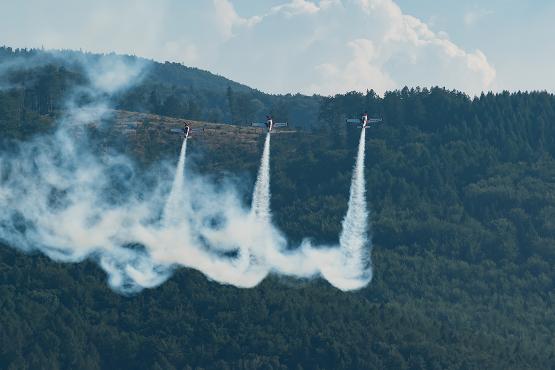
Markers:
point(154, 102)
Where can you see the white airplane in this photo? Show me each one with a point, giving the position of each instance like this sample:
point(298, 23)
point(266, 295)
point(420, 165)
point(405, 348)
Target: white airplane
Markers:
point(186, 131)
point(364, 121)
point(269, 124)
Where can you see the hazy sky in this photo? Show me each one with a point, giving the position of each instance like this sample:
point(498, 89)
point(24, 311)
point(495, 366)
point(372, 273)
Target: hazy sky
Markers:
point(311, 46)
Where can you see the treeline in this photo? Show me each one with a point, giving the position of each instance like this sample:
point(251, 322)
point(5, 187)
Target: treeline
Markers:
point(461, 192)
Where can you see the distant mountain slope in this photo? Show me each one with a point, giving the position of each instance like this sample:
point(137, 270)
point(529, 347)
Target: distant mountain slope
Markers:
point(177, 74)
point(167, 73)
point(169, 89)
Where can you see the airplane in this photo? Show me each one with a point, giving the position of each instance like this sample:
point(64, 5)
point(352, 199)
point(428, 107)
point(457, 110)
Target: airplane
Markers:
point(269, 124)
point(364, 121)
point(186, 131)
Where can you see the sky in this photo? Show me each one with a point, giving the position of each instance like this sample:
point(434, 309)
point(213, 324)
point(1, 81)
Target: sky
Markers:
point(311, 46)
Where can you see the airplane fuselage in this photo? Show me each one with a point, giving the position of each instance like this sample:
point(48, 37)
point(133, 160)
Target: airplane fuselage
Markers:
point(187, 131)
point(364, 120)
point(270, 124)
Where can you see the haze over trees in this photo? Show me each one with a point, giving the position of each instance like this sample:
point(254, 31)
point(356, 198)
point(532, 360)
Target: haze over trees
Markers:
point(461, 192)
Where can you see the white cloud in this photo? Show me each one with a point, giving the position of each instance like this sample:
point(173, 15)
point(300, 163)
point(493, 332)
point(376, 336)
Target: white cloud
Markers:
point(296, 7)
point(308, 46)
point(361, 72)
point(400, 39)
point(406, 29)
point(471, 17)
point(228, 19)
point(478, 62)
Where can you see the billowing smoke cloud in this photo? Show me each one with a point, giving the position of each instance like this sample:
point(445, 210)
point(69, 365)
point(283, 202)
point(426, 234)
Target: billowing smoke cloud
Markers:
point(60, 199)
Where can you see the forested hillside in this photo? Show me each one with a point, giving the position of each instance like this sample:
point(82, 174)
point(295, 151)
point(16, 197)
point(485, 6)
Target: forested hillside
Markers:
point(35, 81)
point(461, 192)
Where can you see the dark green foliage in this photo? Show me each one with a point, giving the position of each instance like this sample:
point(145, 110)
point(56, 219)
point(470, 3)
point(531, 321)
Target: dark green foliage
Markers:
point(461, 193)
point(419, 312)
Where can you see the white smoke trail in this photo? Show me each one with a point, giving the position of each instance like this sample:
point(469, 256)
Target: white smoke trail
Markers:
point(60, 199)
point(355, 265)
point(253, 256)
point(353, 237)
point(174, 209)
point(261, 195)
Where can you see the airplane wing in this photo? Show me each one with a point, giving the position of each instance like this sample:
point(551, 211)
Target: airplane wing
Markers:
point(283, 132)
point(354, 120)
point(177, 130)
point(197, 129)
point(258, 124)
point(280, 124)
point(375, 120)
